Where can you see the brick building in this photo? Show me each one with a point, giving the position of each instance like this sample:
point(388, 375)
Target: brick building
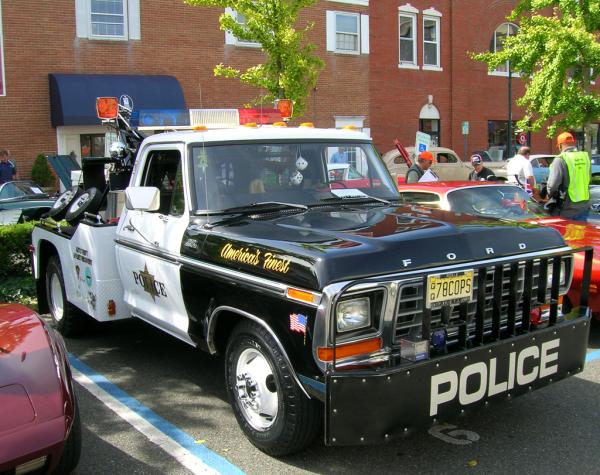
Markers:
point(42, 83)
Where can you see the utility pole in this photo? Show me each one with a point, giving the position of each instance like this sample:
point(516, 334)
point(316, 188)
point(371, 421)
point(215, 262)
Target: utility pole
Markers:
point(509, 126)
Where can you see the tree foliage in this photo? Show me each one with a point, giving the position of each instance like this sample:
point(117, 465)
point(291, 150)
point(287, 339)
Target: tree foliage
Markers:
point(557, 53)
point(290, 69)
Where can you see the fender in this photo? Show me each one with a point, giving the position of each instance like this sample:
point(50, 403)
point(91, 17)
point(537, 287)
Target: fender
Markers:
point(212, 325)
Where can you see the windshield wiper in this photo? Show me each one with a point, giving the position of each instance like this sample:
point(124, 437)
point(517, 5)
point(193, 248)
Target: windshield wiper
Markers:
point(357, 199)
point(259, 207)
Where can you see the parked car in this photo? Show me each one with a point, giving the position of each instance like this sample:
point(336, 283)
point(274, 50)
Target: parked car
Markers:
point(39, 420)
point(447, 165)
point(510, 202)
point(25, 196)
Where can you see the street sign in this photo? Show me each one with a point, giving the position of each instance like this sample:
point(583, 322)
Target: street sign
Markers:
point(465, 127)
point(422, 142)
point(522, 138)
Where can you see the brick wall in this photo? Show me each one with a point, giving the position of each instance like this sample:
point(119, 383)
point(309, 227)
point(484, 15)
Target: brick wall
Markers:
point(177, 39)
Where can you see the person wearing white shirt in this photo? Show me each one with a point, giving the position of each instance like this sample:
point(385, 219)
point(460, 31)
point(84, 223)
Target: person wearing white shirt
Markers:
point(520, 171)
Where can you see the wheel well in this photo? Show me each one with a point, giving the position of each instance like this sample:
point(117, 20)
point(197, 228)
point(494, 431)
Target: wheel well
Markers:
point(226, 322)
point(45, 250)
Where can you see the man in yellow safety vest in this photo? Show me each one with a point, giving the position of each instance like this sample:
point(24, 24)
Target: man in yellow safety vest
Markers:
point(569, 180)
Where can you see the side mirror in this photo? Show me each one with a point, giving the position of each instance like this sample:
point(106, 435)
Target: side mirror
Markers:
point(142, 198)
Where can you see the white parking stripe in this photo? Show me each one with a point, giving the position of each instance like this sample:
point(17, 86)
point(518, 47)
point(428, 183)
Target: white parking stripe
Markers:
point(157, 437)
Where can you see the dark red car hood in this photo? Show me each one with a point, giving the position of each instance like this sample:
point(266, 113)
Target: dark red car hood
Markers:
point(32, 388)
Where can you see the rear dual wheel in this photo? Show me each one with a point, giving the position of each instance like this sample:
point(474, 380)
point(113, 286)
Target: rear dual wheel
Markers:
point(269, 406)
point(65, 317)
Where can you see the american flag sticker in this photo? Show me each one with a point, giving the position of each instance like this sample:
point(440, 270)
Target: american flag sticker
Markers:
point(298, 323)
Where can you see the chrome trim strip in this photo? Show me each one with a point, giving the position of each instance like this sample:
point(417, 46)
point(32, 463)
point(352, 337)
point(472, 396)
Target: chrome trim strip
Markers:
point(153, 251)
point(212, 322)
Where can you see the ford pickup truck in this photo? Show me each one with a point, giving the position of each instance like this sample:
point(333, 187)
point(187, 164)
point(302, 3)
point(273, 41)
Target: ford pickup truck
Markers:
point(334, 306)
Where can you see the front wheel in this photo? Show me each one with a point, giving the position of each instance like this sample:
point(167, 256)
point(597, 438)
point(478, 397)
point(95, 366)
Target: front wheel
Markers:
point(269, 406)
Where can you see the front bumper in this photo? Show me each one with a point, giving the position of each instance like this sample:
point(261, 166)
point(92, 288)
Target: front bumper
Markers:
point(367, 408)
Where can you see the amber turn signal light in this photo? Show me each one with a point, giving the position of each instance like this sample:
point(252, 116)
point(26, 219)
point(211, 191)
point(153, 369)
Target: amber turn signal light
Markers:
point(351, 349)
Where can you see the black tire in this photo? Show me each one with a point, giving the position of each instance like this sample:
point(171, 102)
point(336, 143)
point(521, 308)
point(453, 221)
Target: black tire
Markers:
point(65, 317)
point(61, 205)
point(72, 450)
point(297, 419)
point(88, 202)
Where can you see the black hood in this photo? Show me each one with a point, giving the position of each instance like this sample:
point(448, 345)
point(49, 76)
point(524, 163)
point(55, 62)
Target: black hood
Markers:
point(319, 247)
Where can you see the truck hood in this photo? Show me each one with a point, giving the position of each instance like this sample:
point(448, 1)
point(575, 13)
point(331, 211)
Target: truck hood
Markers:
point(319, 247)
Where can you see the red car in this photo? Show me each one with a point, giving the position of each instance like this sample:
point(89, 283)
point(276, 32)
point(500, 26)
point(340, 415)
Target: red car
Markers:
point(39, 421)
point(505, 201)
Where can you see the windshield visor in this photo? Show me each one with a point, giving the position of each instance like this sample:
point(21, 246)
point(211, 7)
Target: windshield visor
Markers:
point(233, 175)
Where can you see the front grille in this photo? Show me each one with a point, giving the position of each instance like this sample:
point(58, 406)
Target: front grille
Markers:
point(508, 293)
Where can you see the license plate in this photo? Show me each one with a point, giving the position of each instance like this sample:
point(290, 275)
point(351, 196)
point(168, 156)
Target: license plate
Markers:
point(448, 289)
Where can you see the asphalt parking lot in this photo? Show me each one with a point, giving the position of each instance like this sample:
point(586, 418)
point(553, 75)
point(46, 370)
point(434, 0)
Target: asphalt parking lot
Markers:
point(553, 430)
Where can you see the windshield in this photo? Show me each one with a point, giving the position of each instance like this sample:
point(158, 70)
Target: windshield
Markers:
point(510, 202)
point(16, 189)
point(228, 176)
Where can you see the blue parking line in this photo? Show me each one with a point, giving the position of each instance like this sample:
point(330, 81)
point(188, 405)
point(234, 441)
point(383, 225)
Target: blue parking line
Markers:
point(200, 451)
point(592, 355)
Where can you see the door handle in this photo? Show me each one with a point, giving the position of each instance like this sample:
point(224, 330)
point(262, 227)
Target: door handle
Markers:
point(163, 218)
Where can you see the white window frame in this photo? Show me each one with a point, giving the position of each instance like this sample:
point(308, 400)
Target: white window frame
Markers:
point(502, 73)
point(362, 3)
point(435, 16)
point(231, 39)
point(409, 12)
point(2, 71)
point(131, 19)
point(362, 22)
point(356, 16)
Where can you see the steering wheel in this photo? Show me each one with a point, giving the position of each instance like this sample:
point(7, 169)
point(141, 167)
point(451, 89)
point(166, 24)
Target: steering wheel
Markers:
point(338, 184)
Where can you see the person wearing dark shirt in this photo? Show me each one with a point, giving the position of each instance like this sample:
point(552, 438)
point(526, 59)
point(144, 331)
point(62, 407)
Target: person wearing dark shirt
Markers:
point(479, 173)
point(423, 164)
point(8, 171)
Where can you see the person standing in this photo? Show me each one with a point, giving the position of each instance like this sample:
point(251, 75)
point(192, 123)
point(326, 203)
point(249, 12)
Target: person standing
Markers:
point(520, 171)
point(479, 173)
point(421, 169)
point(569, 180)
point(8, 170)
point(341, 156)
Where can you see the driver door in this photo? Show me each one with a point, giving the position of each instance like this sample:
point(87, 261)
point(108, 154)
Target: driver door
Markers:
point(149, 243)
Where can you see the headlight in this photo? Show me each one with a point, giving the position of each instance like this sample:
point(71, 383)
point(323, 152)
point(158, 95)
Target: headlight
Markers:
point(563, 275)
point(353, 314)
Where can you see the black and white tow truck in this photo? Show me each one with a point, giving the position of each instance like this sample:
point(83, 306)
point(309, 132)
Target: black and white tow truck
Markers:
point(335, 305)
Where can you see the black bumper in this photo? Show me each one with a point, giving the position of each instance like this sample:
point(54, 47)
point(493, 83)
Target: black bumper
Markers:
point(367, 408)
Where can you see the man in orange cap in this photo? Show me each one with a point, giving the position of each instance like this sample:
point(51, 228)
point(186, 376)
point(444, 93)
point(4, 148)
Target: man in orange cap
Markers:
point(420, 167)
point(569, 180)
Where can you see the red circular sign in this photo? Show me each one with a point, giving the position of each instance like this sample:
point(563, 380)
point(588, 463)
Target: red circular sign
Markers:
point(522, 138)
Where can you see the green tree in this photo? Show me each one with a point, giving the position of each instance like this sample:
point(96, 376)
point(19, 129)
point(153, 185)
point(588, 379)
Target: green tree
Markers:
point(290, 69)
point(556, 52)
point(40, 171)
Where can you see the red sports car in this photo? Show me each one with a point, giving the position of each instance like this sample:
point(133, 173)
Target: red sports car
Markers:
point(39, 421)
point(505, 201)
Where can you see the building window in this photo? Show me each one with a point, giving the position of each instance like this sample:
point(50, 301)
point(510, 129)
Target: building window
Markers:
point(432, 128)
point(497, 139)
point(502, 32)
point(408, 39)
point(230, 38)
point(347, 33)
point(92, 145)
point(2, 77)
point(431, 42)
point(108, 19)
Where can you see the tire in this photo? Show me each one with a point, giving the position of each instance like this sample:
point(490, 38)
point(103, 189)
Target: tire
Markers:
point(269, 406)
point(61, 205)
point(65, 317)
point(88, 202)
point(72, 449)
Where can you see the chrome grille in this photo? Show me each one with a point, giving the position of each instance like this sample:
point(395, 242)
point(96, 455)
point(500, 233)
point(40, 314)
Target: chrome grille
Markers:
point(410, 311)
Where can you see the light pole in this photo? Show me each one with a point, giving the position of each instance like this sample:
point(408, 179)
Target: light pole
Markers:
point(509, 125)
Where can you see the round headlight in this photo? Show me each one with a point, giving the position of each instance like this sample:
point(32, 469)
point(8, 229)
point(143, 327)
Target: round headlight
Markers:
point(353, 314)
point(563, 275)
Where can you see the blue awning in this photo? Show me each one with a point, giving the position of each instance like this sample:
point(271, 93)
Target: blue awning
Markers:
point(73, 96)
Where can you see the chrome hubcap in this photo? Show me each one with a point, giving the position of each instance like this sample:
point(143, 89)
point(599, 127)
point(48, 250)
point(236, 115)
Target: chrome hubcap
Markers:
point(56, 298)
point(256, 389)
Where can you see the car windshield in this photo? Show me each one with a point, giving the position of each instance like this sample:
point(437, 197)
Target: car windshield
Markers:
point(17, 189)
point(510, 202)
point(229, 177)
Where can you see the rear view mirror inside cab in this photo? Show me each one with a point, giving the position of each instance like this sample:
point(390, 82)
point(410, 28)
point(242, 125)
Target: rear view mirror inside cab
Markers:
point(142, 198)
